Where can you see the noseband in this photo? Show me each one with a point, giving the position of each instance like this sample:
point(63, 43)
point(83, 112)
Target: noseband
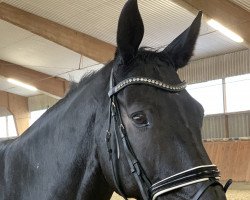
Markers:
point(205, 173)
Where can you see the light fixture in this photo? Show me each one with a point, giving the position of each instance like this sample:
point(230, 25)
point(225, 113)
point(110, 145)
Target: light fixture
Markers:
point(21, 84)
point(233, 36)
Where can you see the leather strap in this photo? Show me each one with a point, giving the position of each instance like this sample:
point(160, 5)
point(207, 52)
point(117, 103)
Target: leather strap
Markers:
point(227, 185)
point(112, 154)
point(196, 173)
point(135, 167)
point(192, 176)
point(146, 81)
point(205, 187)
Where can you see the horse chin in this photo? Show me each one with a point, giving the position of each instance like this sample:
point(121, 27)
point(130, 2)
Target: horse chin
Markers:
point(215, 192)
point(212, 193)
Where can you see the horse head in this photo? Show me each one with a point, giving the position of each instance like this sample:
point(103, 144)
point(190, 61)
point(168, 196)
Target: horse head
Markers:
point(154, 139)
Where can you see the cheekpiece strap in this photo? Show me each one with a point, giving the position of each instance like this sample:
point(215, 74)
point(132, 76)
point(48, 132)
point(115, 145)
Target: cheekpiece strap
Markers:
point(147, 81)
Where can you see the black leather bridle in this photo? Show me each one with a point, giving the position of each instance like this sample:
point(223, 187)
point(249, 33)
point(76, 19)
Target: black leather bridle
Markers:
point(209, 174)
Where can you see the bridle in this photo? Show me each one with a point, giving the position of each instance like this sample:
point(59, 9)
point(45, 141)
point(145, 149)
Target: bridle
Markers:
point(205, 173)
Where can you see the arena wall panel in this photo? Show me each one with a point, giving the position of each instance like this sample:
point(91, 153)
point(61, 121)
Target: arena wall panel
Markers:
point(239, 125)
point(232, 158)
point(215, 126)
point(217, 67)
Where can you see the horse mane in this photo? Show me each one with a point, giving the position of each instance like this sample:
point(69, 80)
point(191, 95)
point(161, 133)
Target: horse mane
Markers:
point(150, 53)
point(85, 82)
point(86, 78)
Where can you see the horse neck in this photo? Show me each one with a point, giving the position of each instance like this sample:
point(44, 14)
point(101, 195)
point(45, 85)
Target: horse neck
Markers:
point(58, 154)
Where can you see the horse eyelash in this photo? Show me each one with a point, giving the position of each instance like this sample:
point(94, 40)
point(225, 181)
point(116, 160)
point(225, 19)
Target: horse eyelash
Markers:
point(143, 128)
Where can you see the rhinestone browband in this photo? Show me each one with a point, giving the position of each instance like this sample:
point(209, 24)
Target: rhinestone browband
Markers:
point(147, 81)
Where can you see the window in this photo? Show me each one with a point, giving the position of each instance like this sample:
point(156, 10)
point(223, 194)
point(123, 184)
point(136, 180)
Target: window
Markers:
point(209, 94)
point(7, 127)
point(238, 93)
point(3, 127)
point(34, 115)
point(7, 124)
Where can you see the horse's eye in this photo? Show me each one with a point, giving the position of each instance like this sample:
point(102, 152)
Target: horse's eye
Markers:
point(140, 118)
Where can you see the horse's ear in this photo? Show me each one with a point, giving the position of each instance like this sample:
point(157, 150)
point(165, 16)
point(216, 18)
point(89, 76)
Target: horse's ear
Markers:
point(130, 31)
point(181, 49)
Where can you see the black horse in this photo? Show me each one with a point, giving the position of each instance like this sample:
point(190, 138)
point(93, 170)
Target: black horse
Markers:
point(143, 140)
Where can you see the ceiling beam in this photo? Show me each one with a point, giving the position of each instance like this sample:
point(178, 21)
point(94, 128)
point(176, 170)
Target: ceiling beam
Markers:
point(81, 43)
point(53, 86)
point(227, 13)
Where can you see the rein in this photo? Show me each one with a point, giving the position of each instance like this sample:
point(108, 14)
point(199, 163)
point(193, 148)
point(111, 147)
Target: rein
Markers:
point(205, 173)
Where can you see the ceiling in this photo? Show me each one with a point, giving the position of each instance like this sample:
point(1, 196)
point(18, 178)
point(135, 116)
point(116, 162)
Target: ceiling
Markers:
point(242, 3)
point(163, 20)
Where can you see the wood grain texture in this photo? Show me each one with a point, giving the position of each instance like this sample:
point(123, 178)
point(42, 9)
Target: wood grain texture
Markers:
point(50, 85)
point(232, 158)
point(18, 107)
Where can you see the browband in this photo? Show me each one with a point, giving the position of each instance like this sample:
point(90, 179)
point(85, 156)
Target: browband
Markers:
point(146, 81)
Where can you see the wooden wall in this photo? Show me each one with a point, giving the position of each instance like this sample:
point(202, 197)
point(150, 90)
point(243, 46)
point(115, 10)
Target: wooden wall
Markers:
point(231, 157)
point(18, 107)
